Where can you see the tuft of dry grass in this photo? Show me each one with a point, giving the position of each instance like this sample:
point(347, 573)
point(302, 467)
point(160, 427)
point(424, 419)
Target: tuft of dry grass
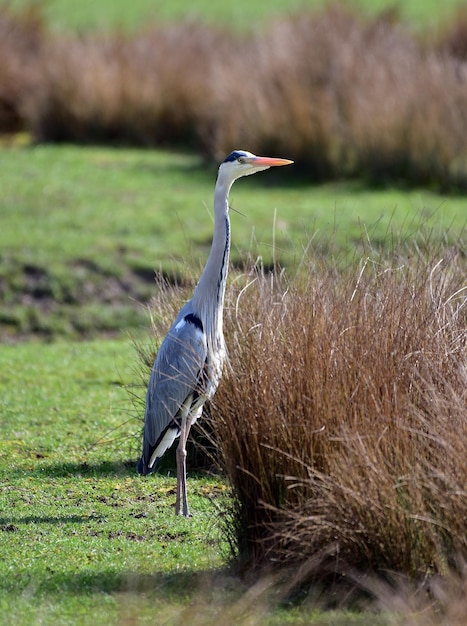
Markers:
point(341, 423)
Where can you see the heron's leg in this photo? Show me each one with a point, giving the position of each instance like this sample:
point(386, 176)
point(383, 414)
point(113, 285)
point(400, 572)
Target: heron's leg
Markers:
point(182, 499)
point(181, 481)
point(181, 456)
point(185, 510)
point(187, 420)
point(181, 469)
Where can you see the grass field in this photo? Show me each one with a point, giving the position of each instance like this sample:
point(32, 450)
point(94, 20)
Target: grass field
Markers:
point(155, 208)
point(240, 14)
point(73, 217)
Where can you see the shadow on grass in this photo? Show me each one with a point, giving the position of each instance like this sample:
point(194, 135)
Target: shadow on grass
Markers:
point(9, 524)
point(216, 587)
point(105, 469)
point(169, 586)
point(62, 470)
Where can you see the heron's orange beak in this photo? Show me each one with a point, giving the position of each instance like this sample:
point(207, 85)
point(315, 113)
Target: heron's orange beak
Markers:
point(268, 161)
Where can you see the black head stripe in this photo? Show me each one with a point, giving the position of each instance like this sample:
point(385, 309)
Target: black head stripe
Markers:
point(233, 156)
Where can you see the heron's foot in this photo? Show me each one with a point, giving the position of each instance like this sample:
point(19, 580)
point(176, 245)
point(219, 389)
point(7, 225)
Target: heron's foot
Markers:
point(181, 507)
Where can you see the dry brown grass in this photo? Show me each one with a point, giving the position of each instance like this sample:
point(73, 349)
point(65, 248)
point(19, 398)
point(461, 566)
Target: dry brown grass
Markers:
point(341, 94)
point(145, 90)
point(220, 598)
point(342, 421)
point(21, 41)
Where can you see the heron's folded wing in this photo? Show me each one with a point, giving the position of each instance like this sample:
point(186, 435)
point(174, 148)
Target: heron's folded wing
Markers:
point(177, 373)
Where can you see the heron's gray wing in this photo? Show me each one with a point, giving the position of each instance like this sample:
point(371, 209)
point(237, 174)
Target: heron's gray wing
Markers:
point(178, 372)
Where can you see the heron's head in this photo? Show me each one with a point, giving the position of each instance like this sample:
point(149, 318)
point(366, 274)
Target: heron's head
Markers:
point(242, 163)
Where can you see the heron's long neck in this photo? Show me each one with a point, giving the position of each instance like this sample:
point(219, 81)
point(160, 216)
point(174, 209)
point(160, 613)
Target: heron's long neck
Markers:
point(210, 291)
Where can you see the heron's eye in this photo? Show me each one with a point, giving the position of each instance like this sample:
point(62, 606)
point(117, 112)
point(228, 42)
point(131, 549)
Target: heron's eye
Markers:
point(241, 159)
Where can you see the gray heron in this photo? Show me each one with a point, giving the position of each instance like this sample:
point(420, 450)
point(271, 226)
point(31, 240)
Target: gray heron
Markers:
point(188, 365)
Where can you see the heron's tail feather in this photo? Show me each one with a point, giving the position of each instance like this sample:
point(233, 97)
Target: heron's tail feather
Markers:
point(151, 454)
point(143, 468)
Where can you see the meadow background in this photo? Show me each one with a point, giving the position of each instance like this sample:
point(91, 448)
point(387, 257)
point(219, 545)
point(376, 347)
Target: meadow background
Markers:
point(113, 117)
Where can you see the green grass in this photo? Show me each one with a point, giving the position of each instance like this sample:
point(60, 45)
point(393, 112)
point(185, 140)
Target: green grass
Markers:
point(242, 14)
point(152, 209)
point(79, 529)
